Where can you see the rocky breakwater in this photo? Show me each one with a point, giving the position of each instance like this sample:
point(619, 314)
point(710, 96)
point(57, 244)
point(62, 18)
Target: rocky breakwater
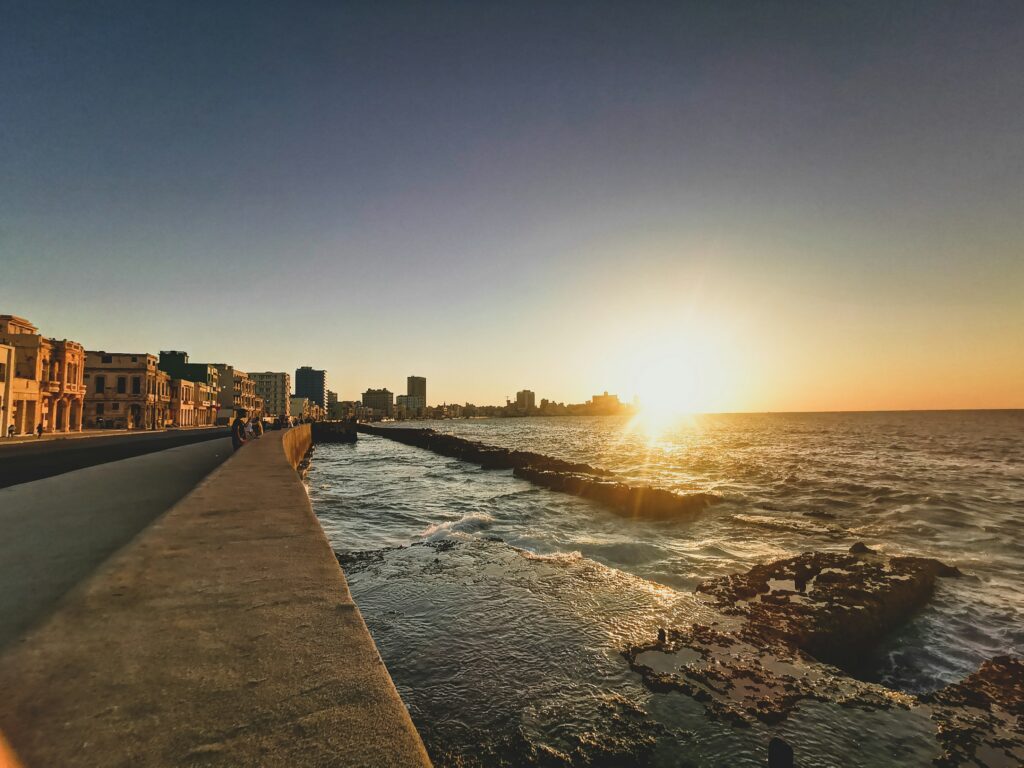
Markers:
point(795, 630)
point(555, 474)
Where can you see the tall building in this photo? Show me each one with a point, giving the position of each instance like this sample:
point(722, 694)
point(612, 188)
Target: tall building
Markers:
point(526, 400)
point(311, 383)
point(275, 389)
point(126, 390)
point(380, 400)
point(46, 384)
point(416, 386)
point(177, 365)
point(6, 387)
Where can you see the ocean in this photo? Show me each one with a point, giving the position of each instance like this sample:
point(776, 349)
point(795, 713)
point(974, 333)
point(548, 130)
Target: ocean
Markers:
point(502, 609)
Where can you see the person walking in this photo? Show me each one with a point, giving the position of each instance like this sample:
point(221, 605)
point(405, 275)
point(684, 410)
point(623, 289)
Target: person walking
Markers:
point(39, 430)
point(238, 430)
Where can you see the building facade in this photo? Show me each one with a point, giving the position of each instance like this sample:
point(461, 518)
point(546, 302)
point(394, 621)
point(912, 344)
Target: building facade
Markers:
point(311, 383)
point(47, 384)
point(237, 393)
point(126, 390)
point(6, 388)
point(380, 400)
point(416, 386)
point(526, 400)
point(177, 365)
point(275, 389)
point(411, 405)
point(183, 403)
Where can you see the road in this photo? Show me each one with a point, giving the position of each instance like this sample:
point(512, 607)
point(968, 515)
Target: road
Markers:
point(22, 461)
point(57, 530)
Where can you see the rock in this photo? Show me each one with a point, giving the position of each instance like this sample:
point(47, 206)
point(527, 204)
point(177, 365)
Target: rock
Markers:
point(860, 548)
point(556, 474)
point(835, 607)
point(982, 715)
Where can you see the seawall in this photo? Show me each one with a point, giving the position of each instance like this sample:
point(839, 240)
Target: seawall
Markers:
point(223, 635)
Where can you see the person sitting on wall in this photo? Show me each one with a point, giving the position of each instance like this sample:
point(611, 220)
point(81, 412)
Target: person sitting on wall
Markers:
point(238, 430)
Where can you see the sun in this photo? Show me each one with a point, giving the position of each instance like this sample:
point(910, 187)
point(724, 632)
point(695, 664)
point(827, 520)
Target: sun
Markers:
point(676, 375)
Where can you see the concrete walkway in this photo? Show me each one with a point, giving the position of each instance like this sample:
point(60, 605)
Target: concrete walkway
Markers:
point(223, 635)
point(58, 530)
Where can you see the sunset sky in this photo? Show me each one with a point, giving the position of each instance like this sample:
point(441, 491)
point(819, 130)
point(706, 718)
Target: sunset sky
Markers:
point(767, 206)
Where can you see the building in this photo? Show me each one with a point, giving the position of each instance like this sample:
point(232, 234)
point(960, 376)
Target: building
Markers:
point(126, 390)
point(207, 404)
point(526, 400)
point(177, 365)
point(411, 405)
point(237, 393)
point(380, 400)
point(311, 383)
point(6, 387)
point(605, 404)
point(46, 386)
point(276, 391)
point(416, 386)
point(183, 403)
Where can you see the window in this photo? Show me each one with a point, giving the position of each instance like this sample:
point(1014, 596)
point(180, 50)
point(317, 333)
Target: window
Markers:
point(136, 385)
point(135, 358)
point(101, 384)
point(115, 407)
point(99, 409)
point(122, 385)
point(107, 359)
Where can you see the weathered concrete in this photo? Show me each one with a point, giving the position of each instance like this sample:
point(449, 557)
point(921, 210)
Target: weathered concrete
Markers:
point(24, 461)
point(224, 635)
point(58, 530)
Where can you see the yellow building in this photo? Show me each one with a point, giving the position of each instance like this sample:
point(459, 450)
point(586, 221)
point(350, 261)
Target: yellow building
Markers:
point(47, 387)
point(127, 390)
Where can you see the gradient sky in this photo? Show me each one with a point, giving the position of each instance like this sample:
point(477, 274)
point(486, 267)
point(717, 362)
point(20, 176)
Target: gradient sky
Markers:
point(789, 206)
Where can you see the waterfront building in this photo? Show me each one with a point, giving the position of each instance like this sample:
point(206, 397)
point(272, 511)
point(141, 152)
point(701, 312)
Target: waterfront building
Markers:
point(605, 404)
point(299, 408)
point(6, 387)
point(416, 386)
point(411, 405)
point(183, 403)
point(47, 385)
point(380, 400)
point(237, 393)
point(126, 390)
point(526, 400)
point(311, 383)
point(275, 389)
point(177, 365)
point(206, 405)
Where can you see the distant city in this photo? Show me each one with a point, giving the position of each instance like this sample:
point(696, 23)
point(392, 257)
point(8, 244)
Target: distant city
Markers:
point(51, 386)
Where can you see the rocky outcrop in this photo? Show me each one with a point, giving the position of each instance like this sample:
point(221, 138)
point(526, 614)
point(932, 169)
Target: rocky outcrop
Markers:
point(981, 718)
point(633, 500)
point(556, 474)
point(834, 606)
point(784, 619)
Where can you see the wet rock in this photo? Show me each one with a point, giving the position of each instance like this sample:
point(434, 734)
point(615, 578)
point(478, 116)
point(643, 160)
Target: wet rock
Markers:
point(632, 500)
point(835, 607)
point(860, 548)
point(556, 474)
point(981, 719)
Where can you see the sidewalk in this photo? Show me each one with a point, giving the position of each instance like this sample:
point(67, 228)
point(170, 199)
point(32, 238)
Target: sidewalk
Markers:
point(223, 635)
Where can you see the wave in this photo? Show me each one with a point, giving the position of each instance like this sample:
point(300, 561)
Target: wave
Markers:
point(474, 522)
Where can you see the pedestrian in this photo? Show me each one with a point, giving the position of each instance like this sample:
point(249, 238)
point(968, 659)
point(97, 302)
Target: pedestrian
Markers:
point(10, 430)
point(238, 430)
point(39, 430)
point(258, 428)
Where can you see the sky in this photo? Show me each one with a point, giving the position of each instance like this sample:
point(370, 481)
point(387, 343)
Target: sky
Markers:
point(745, 206)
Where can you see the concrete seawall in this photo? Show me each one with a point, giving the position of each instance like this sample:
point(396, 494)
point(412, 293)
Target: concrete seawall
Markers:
point(223, 635)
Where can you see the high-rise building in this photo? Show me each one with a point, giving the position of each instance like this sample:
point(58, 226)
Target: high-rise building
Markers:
point(275, 389)
point(311, 383)
point(416, 386)
point(380, 400)
point(526, 400)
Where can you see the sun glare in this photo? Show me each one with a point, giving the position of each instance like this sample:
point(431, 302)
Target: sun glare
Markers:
point(676, 376)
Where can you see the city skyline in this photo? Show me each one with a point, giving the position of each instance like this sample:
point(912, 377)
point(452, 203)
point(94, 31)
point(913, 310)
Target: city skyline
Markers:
point(725, 207)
